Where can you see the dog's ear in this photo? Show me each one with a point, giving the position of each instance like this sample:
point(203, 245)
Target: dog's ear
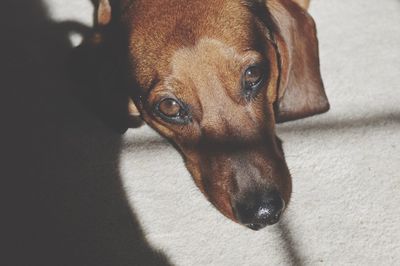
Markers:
point(99, 65)
point(301, 91)
point(103, 12)
point(303, 3)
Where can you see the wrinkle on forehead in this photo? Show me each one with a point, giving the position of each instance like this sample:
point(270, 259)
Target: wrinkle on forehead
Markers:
point(204, 63)
point(211, 71)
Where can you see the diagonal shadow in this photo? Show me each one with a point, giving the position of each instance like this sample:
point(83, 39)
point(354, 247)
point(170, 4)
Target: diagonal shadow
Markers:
point(289, 243)
point(337, 124)
point(64, 199)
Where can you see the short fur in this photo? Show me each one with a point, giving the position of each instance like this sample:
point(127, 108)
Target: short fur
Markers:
point(196, 51)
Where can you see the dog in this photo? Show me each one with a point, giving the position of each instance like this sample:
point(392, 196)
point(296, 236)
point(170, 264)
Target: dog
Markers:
point(213, 78)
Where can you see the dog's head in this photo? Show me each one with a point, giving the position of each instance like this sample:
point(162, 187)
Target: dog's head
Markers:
point(213, 77)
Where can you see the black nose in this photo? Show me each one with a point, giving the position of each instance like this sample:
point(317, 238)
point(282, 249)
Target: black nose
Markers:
point(259, 209)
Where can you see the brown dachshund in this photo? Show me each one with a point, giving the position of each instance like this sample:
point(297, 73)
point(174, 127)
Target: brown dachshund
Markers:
point(212, 77)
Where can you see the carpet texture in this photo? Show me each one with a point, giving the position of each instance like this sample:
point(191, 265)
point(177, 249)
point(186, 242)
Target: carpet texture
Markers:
point(345, 164)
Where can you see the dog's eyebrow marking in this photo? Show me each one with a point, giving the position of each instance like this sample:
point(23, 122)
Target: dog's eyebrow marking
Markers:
point(151, 87)
point(206, 43)
point(202, 61)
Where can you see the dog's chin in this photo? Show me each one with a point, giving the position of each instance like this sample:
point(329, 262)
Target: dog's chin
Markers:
point(255, 227)
point(259, 226)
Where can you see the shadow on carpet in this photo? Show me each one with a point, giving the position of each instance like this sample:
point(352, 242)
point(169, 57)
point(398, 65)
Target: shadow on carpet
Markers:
point(65, 202)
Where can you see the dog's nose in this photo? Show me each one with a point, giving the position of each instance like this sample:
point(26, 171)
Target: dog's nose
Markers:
point(257, 210)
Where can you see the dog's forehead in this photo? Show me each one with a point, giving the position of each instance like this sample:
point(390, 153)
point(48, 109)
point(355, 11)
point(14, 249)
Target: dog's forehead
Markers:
point(159, 28)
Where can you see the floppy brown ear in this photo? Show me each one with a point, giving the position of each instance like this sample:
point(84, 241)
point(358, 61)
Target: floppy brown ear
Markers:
point(98, 65)
point(301, 91)
point(103, 12)
point(303, 3)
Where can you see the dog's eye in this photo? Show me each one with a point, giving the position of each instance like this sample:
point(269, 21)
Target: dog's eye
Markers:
point(169, 107)
point(253, 75)
point(173, 111)
point(252, 79)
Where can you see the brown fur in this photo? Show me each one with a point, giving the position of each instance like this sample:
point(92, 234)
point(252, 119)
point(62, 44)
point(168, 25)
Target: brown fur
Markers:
point(196, 51)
